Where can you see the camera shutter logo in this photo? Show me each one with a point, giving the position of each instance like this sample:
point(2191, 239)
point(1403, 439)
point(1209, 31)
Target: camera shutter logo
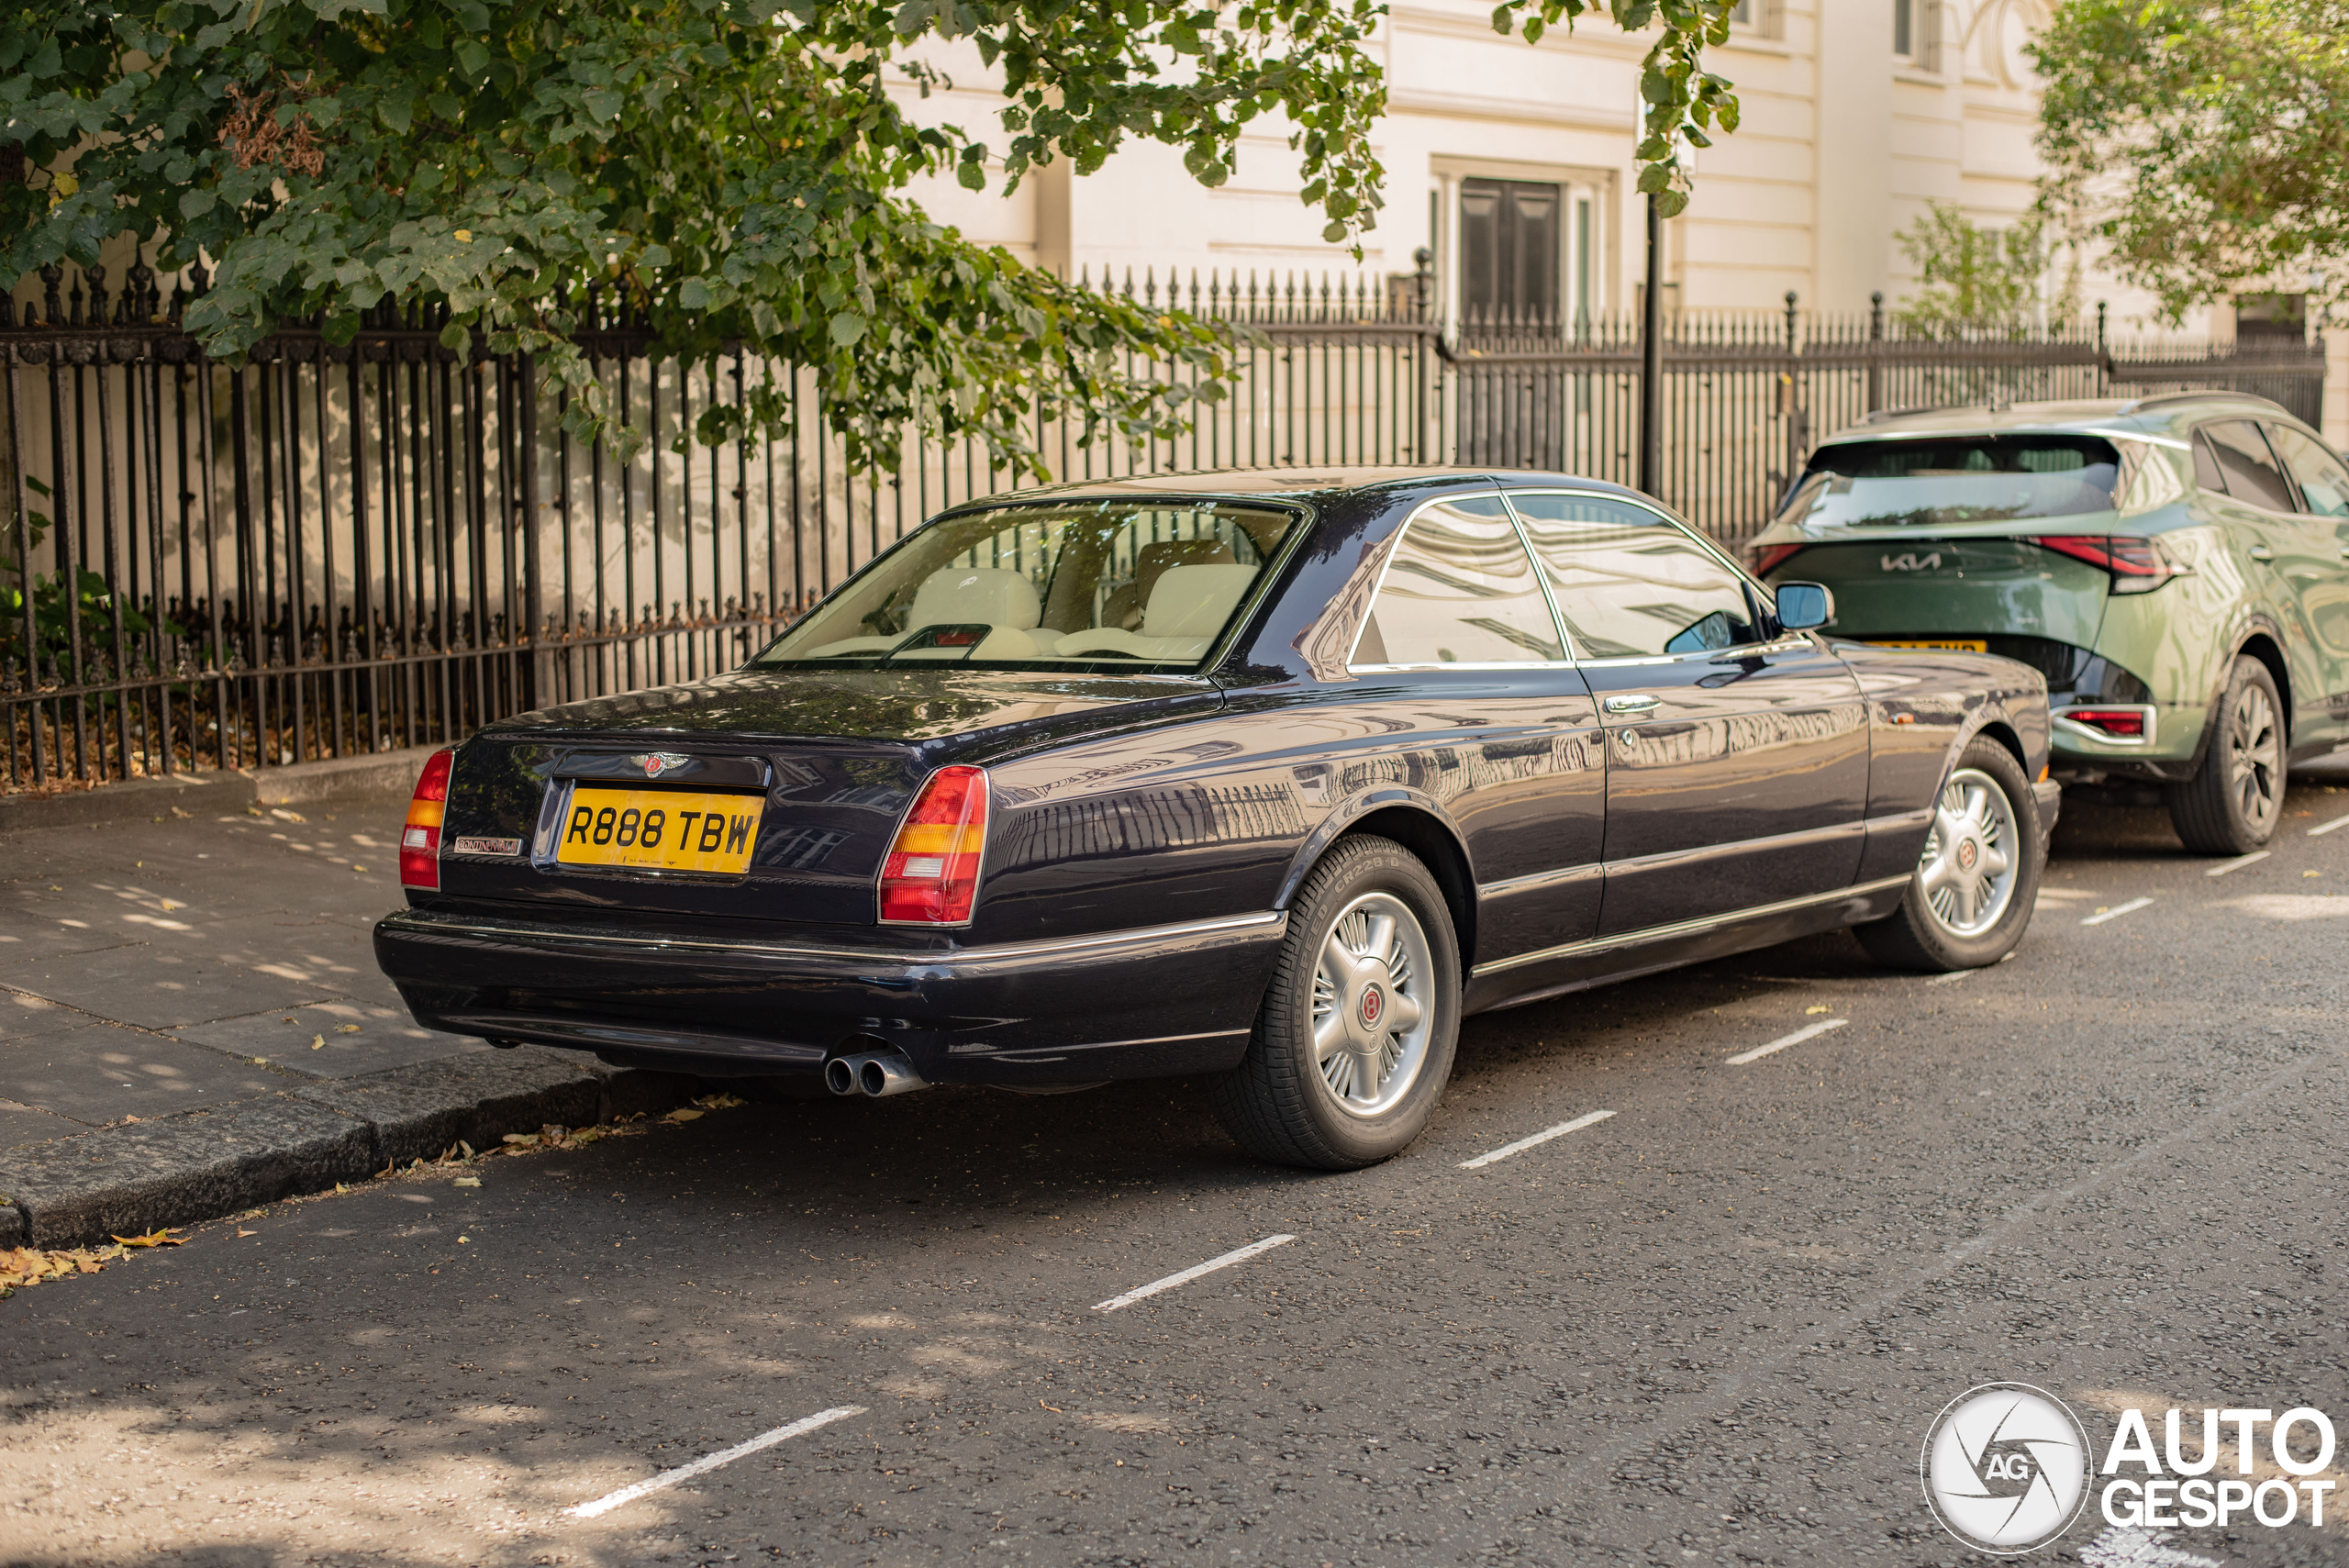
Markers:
point(2006, 1468)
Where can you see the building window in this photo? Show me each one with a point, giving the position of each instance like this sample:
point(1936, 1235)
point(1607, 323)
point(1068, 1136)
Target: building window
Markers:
point(1904, 26)
point(1509, 250)
point(1742, 14)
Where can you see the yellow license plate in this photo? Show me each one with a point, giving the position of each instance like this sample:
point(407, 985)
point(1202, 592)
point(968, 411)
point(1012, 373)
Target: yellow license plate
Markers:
point(1946, 644)
point(659, 829)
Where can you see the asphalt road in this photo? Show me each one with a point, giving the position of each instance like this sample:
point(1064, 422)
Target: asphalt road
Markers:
point(1713, 1327)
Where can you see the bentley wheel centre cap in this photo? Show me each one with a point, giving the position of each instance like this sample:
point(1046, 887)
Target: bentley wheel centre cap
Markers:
point(1968, 851)
point(1374, 1006)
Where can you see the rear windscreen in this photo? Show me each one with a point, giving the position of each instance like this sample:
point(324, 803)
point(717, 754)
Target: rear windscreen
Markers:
point(1940, 481)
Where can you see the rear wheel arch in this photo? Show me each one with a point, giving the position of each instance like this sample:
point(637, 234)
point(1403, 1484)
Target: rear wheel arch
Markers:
point(2263, 647)
point(1427, 836)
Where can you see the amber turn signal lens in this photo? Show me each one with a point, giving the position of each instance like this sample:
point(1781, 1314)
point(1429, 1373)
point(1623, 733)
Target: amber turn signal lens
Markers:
point(420, 839)
point(932, 874)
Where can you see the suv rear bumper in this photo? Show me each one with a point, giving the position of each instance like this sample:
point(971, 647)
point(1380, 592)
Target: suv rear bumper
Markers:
point(1149, 1002)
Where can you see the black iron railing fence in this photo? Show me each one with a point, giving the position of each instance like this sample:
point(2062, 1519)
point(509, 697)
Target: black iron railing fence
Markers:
point(339, 548)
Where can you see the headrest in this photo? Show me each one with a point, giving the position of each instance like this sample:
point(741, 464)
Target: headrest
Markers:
point(1152, 561)
point(967, 595)
point(1195, 601)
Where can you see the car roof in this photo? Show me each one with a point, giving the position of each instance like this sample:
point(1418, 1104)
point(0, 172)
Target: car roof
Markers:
point(1299, 483)
point(2164, 413)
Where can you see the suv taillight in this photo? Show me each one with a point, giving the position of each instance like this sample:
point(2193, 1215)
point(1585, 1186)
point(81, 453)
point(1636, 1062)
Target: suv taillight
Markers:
point(930, 876)
point(2139, 565)
point(420, 839)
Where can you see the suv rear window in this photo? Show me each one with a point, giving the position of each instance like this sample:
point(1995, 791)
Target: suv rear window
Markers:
point(1940, 481)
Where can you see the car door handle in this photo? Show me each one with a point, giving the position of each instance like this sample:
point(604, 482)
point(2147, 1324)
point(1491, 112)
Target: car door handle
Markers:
point(1633, 702)
point(2260, 553)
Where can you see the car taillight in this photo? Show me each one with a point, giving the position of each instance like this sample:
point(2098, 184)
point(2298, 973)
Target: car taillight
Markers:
point(1764, 559)
point(2138, 565)
point(420, 839)
point(932, 874)
point(2120, 723)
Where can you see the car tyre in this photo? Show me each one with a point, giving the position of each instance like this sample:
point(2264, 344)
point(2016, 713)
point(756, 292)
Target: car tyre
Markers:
point(2235, 800)
point(1329, 1082)
point(1970, 898)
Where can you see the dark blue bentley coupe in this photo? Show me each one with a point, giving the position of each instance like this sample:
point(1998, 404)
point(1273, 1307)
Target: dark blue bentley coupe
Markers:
point(1268, 776)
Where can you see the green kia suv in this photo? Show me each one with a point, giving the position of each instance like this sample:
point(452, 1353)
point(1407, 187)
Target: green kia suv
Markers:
point(2177, 567)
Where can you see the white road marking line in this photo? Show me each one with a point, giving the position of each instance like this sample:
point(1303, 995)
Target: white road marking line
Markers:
point(1238, 1255)
point(1811, 1032)
point(1522, 1144)
point(2324, 827)
point(1951, 978)
point(2116, 912)
point(712, 1460)
point(2242, 861)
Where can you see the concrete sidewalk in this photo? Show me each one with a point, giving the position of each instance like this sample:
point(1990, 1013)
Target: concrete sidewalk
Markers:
point(192, 1021)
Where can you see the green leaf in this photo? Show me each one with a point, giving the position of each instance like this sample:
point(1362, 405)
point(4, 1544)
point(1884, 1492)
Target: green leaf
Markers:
point(1655, 178)
point(197, 202)
point(473, 57)
point(847, 329)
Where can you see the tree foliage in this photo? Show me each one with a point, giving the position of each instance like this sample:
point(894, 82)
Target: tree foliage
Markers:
point(1972, 277)
point(2202, 141)
point(743, 175)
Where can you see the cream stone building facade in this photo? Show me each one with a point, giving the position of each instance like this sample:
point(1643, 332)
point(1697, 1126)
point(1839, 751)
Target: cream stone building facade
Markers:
point(1513, 163)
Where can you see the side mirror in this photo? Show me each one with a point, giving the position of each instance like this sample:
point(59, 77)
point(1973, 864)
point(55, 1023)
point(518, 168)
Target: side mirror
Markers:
point(1805, 605)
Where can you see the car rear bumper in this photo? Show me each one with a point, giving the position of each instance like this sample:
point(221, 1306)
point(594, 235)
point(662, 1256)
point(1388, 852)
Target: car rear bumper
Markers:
point(1150, 1001)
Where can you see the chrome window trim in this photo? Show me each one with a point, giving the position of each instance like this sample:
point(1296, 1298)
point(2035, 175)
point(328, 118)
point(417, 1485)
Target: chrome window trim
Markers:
point(1387, 565)
point(1695, 928)
point(1786, 643)
point(424, 922)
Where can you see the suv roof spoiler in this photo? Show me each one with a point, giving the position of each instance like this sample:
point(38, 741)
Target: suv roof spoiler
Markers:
point(2165, 399)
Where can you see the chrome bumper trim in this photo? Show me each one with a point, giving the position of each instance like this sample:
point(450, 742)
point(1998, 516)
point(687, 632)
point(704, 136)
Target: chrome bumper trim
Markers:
point(423, 923)
point(1687, 927)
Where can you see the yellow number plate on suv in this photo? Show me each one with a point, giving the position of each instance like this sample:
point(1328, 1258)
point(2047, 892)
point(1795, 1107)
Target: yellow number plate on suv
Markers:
point(659, 829)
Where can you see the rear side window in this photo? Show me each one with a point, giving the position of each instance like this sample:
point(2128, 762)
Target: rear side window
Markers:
point(1940, 481)
point(2247, 466)
point(1630, 584)
point(1459, 589)
point(2324, 483)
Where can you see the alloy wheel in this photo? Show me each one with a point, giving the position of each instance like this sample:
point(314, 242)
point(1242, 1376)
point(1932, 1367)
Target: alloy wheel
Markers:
point(1972, 858)
point(2254, 758)
point(1374, 1006)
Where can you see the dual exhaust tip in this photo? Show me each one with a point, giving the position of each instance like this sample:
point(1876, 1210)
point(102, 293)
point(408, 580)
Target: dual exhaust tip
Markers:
point(878, 1073)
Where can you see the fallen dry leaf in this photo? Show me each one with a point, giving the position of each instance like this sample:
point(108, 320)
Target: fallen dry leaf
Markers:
point(720, 1102)
point(346, 1028)
point(318, 1042)
point(682, 1113)
point(466, 1182)
point(359, 868)
point(162, 1237)
point(242, 1231)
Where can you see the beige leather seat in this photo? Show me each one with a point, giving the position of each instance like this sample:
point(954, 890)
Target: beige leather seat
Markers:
point(1125, 605)
point(994, 596)
point(1188, 605)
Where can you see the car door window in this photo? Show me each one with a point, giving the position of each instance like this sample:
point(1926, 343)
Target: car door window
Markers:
point(2248, 467)
point(1630, 583)
point(1459, 589)
point(2324, 483)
